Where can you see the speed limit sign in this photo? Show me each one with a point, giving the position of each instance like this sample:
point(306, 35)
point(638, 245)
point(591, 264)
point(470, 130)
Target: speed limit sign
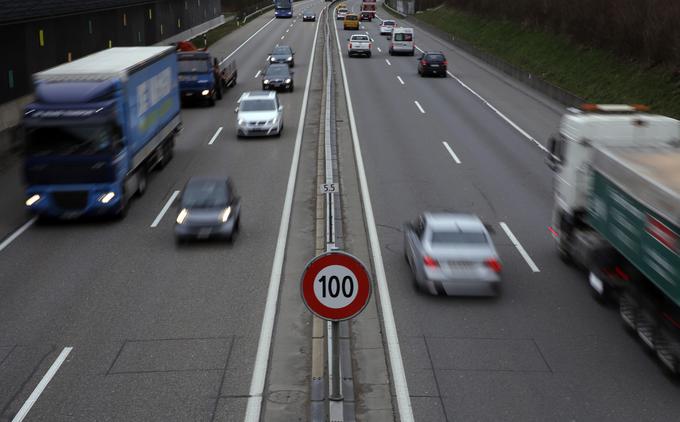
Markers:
point(335, 286)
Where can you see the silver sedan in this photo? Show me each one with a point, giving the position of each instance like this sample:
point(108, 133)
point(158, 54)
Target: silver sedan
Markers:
point(452, 254)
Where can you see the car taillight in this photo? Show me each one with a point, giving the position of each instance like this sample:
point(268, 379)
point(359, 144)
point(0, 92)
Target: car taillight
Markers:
point(493, 264)
point(446, 63)
point(423, 62)
point(350, 45)
point(430, 262)
point(370, 45)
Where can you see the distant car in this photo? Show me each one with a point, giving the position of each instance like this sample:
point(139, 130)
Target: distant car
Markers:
point(209, 207)
point(359, 44)
point(366, 16)
point(282, 54)
point(351, 21)
point(452, 254)
point(279, 77)
point(259, 114)
point(432, 63)
point(308, 15)
point(340, 13)
point(387, 26)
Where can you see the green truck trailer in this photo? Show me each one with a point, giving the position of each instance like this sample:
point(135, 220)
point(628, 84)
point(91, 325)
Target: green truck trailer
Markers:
point(634, 208)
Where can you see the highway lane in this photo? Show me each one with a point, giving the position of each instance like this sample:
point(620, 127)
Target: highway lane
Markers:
point(158, 332)
point(543, 350)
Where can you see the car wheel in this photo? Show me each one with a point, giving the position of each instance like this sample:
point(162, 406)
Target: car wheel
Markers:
point(369, 54)
point(292, 87)
point(391, 52)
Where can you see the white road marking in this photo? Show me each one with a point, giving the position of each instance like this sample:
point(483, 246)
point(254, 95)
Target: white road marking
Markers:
point(17, 233)
point(246, 41)
point(257, 382)
point(453, 154)
point(391, 336)
point(258, 73)
point(419, 107)
point(519, 247)
point(287, 30)
point(160, 215)
point(41, 385)
point(401, 80)
point(379, 50)
point(283, 36)
point(219, 130)
point(388, 62)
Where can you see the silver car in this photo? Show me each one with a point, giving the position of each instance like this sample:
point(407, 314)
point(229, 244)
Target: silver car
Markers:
point(452, 254)
point(259, 114)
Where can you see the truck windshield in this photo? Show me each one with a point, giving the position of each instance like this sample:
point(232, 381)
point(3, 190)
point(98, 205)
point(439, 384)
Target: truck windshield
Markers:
point(282, 4)
point(194, 66)
point(76, 140)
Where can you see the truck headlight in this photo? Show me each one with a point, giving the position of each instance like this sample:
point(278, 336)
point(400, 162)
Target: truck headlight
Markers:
point(288, 80)
point(224, 216)
point(182, 216)
point(205, 92)
point(106, 198)
point(32, 200)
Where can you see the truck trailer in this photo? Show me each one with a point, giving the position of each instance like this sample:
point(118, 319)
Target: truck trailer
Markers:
point(617, 215)
point(98, 125)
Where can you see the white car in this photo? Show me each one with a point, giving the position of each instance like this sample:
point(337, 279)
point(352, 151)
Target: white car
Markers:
point(259, 113)
point(359, 44)
point(387, 26)
point(340, 14)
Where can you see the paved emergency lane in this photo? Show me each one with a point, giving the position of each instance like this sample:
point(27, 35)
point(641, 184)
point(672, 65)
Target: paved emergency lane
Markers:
point(543, 350)
point(157, 332)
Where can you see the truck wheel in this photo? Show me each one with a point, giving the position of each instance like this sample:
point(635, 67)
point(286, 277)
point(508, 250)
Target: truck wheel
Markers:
point(211, 101)
point(141, 181)
point(219, 91)
point(600, 291)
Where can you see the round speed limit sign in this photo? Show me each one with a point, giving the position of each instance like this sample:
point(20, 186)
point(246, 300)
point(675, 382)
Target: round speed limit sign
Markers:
point(335, 286)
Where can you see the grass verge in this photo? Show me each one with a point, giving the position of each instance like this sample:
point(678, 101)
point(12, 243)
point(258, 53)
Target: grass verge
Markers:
point(594, 74)
point(216, 33)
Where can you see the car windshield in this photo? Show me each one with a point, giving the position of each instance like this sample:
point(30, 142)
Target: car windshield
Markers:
point(457, 237)
point(359, 38)
point(435, 57)
point(258, 105)
point(403, 37)
point(278, 71)
point(75, 140)
point(352, 17)
point(205, 194)
point(388, 23)
point(193, 66)
point(281, 51)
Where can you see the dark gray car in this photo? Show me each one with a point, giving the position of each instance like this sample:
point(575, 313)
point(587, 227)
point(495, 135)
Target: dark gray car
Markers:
point(282, 54)
point(208, 208)
point(278, 76)
point(452, 254)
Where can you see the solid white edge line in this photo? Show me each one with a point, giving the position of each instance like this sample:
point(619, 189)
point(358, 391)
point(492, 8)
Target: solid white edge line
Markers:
point(419, 107)
point(5, 243)
point(258, 73)
point(401, 80)
point(394, 351)
point(519, 247)
point(453, 154)
point(257, 383)
point(41, 386)
point(388, 62)
point(165, 208)
point(219, 130)
point(246, 41)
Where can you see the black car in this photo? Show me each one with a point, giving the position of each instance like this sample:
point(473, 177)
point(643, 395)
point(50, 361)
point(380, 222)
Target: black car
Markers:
point(282, 54)
point(209, 208)
point(433, 63)
point(366, 16)
point(278, 76)
point(308, 15)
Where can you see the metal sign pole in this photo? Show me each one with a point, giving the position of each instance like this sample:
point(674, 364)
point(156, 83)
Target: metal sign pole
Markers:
point(336, 394)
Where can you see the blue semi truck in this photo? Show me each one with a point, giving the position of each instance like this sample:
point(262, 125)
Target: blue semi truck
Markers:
point(97, 127)
point(283, 8)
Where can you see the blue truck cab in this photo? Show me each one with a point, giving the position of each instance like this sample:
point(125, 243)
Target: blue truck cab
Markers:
point(283, 9)
point(198, 78)
point(97, 126)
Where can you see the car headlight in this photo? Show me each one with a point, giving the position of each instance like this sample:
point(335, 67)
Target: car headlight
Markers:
point(266, 81)
point(272, 59)
point(106, 198)
point(182, 216)
point(241, 122)
point(224, 216)
point(32, 200)
point(289, 58)
point(205, 92)
point(288, 80)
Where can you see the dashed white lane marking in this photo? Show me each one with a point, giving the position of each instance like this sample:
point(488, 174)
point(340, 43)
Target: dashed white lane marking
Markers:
point(388, 62)
point(401, 80)
point(379, 50)
point(17, 233)
point(160, 215)
point(258, 73)
point(450, 150)
point(419, 107)
point(519, 247)
point(217, 133)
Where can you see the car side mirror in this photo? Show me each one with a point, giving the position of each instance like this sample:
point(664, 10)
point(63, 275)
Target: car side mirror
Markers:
point(236, 110)
point(280, 108)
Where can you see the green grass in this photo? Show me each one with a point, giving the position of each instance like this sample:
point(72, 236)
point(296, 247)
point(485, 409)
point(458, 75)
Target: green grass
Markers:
point(216, 33)
point(594, 74)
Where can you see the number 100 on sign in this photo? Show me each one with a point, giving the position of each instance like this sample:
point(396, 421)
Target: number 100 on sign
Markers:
point(335, 286)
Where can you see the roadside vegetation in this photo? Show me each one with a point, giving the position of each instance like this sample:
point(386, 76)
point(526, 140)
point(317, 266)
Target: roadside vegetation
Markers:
point(216, 33)
point(594, 74)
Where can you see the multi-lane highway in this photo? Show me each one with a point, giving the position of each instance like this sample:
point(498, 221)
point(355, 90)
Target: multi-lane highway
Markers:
point(113, 321)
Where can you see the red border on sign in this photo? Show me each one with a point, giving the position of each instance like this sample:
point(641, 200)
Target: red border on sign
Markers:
point(314, 268)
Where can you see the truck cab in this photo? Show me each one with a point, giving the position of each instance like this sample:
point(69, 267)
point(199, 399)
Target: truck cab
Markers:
point(597, 125)
point(198, 77)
